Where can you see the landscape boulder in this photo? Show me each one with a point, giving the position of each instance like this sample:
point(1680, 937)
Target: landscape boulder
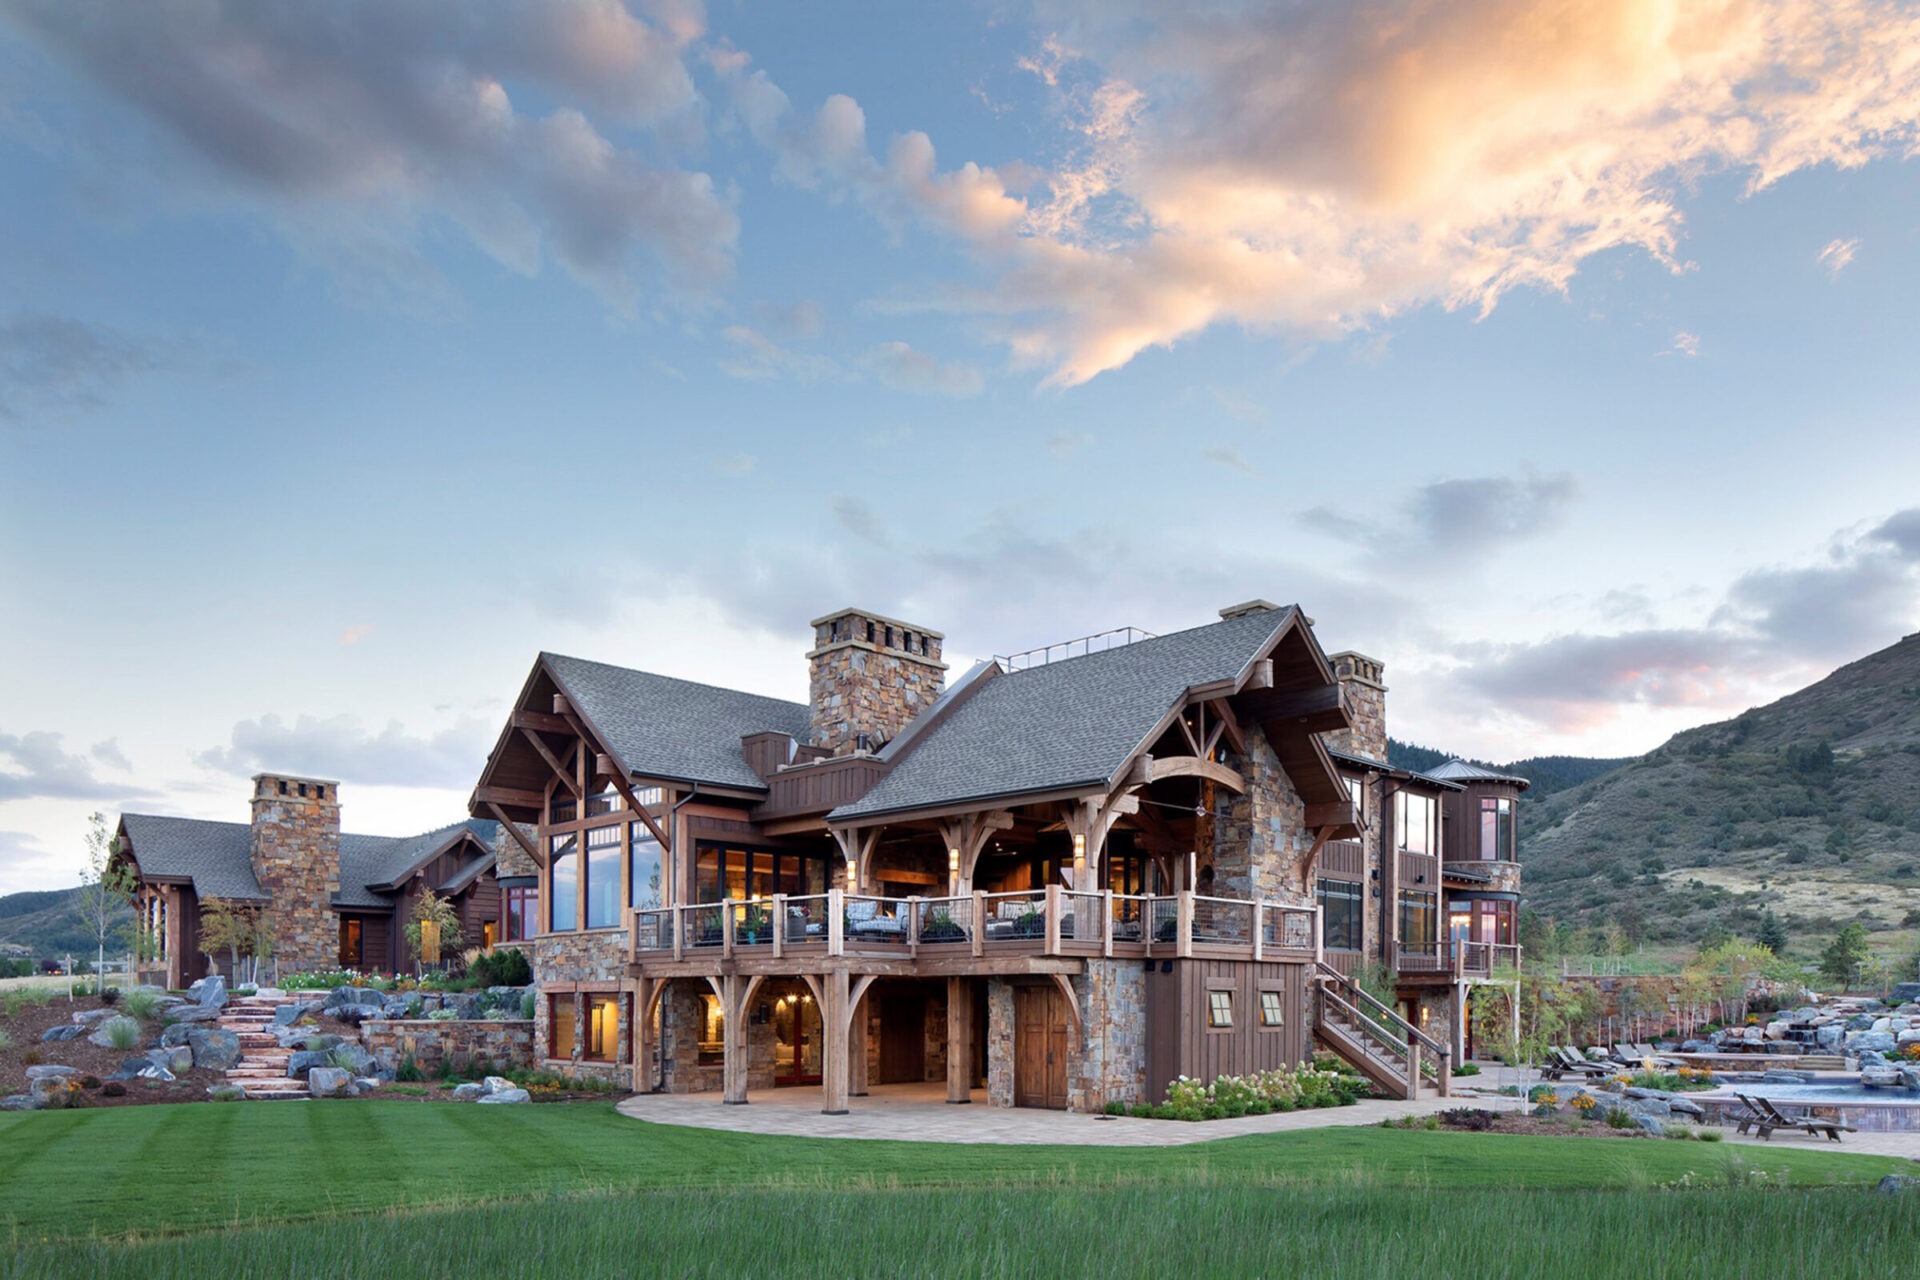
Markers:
point(341, 997)
point(226, 1093)
point(1829, 1036)
point(54, 1091)
point(89, 1017)
point(55, 1034)
point(214, 1048)
point(1696, 1046)
point(288, 1014)
point(155, 1072)
point(103, 1034)
point(175, 1058)
point(494, 1089)
point(468, 1092)
point(19, 1102)
point(192, 1013)
point(209, 992)
point(508, 1095)
point(1876, 1041)
point(1897, 1184)
point(51, 1070)
point(329, 1082)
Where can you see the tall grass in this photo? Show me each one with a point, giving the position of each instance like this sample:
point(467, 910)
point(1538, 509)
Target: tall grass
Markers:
point(122, 1033)
point(1357, 1231)
point(16, 999)
point(140, 1004)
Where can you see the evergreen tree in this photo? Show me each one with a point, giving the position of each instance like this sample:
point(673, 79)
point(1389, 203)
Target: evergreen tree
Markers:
point(1846, 955)
point(1773, 933)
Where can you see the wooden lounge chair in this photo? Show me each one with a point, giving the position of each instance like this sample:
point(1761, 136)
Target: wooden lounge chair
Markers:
point(1764, 1118)
point(1574, 1060)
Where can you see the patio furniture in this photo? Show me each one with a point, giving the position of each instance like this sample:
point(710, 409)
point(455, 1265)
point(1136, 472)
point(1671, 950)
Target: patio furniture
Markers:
point(1765, 1118)
point(864, 920)
point(1572, 1060)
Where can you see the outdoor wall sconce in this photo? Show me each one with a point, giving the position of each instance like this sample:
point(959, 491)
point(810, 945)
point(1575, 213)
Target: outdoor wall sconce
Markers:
point(953, 860)
point(1079, 847)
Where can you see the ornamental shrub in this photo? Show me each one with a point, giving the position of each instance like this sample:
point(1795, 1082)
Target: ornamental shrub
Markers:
point(122, 1033)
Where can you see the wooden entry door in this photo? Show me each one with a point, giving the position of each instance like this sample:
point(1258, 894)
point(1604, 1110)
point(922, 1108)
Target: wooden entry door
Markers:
point(903, 1039)
point(1039, 1047)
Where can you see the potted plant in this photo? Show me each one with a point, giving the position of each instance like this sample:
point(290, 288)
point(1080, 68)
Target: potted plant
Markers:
point(753, 927)
point(1029, 924)
point(941, 927)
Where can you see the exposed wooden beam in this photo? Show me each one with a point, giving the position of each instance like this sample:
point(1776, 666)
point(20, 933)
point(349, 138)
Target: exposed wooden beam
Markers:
point(553, 761)
point(1261, 677)
point(511, 796)
point(969, 834)
point(1318, 709)
point(625, 789)
point(1149, 769)
point(1338, 814)
point(1227, 725)
point(541, 721)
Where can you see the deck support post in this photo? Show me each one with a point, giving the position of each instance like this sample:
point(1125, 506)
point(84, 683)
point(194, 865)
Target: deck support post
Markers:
point(642, 1004)
point(833, 1068)
point(959, 1040)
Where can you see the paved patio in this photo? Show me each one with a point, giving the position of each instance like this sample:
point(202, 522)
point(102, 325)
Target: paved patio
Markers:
point(921, 1113)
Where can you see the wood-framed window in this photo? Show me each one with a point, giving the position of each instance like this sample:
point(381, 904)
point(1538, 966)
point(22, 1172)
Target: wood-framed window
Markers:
point(598, 1034)
point(1416, 822)
point(563, 873)
point(1342, 924)
point(743, 873)
point(1219, 1009)
point(1419, 919)
point(521, 907)
point(601, 886)
point(350, 937)
point(1273, 1010)
point(1496, 829)
point(646, 871)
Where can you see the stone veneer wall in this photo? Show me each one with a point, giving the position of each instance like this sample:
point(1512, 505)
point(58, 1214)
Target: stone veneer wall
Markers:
point(296, 859)
point(1111, 1063)
point(1259, 838)
point(999, 1042)
point(505, 1043)
point(1366, 698)
point(856, 686)
point(510, 859)
point(562, 959)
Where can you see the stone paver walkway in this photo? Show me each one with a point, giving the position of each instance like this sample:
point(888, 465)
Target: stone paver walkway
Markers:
point(921, 1113)
point(262, 1069)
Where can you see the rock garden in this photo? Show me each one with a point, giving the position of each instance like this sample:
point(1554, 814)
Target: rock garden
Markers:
point(209, 1044)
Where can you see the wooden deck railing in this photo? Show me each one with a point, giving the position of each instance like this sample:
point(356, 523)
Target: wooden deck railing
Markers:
point(1456, 957)
point(1055, 921)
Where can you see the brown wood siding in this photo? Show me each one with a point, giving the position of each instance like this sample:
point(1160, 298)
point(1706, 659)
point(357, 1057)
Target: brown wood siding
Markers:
point(1342, 860)
point(818, 787)
point(1180, 1041)
point(1419, 872)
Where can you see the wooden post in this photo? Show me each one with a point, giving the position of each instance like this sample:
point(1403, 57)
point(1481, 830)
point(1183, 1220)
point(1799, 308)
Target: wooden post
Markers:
point(833, 1073)
point(1106, 926)
point(1183, 934)
point(959, 1040)
point(733, 1043)
point(1259, 928)
point(779, 923)
point(912, 908)
point(726, 929)
point(979, 930)
point(642, 1039)
point(679, 919)
point(856, 1072)
point(836, 922)
point(1052, 920)
point(1413, 1069)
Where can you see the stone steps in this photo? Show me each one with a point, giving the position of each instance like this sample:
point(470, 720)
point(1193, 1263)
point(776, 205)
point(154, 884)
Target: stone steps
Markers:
point(262, 1069)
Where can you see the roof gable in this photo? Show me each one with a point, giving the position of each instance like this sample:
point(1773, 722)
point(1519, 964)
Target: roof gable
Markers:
point(678, 730)
point(1067, 724)
point(216, 857)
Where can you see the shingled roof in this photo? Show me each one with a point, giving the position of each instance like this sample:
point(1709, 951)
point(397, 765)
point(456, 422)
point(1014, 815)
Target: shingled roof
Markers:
point(677, 730)
point(217, 857)
point(1458, 771)
point(1066, 724)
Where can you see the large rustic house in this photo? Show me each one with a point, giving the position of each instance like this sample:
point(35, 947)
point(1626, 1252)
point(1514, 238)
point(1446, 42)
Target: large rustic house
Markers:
point(335, 900)
point(1065, 879)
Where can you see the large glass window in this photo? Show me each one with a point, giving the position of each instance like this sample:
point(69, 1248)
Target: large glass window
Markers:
point(1419, 919)
point(523, 913)
point(560, 1026)
point(1357, 792)
point(1417, 820)
point(1496, 828)
point(743, 874)
point(564, 861)
point(1341, 928)
point(1481, 920)
point(603, 877)
point(648, 874)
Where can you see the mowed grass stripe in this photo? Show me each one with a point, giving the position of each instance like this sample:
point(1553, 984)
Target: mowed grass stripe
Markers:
point(1848, 1234)
point(182, 1168)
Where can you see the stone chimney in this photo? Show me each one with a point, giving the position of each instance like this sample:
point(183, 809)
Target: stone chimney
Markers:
point(1366, 699)
point(869, 675)
point(296, 859)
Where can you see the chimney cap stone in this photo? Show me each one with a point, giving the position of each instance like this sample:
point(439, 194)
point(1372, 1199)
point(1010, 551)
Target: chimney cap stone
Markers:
point(1246, 607)
point(295, 777)
point(871, 616)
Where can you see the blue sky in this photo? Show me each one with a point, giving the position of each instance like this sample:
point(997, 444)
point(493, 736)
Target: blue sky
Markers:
point(1560, 355)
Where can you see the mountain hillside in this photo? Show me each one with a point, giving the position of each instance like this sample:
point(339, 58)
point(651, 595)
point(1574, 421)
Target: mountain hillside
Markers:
point(46, 921)
point(1809, 805)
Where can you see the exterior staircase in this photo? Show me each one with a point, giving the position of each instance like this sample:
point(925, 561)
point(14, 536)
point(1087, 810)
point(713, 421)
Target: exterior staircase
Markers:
point(262, 1069)
point(1375, 1040)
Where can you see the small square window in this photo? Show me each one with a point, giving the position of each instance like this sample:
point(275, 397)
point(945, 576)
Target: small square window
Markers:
point(1272, 1012)
point(1219, 1008)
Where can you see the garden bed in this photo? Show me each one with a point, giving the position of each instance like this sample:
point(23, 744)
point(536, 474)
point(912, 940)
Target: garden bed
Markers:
point(23, 1020)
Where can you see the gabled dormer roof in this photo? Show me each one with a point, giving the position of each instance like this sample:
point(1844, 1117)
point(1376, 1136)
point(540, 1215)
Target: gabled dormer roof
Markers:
point(676, 730)
point(1071, 724)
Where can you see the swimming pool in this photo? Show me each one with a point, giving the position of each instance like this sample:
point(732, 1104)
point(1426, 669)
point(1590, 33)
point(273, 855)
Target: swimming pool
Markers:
point(1869, 1110)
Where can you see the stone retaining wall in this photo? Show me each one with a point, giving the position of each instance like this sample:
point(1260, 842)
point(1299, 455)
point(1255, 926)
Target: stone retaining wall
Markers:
point(509, 1043)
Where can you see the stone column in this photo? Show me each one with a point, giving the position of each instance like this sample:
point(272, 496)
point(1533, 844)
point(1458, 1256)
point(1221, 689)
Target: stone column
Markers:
point(959, 1040)
point(857, 1047)
point(999, 1043)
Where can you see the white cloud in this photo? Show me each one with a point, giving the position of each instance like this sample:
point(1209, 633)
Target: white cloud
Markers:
point(1685, 344)
point(1457, 521)
point(754, 357)
point(899, 365)
point(342, 747)
point(1837, 255)
point(358, 122)
point(37, 766)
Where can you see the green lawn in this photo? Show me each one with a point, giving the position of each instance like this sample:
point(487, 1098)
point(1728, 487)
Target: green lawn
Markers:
point(577, 1190)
